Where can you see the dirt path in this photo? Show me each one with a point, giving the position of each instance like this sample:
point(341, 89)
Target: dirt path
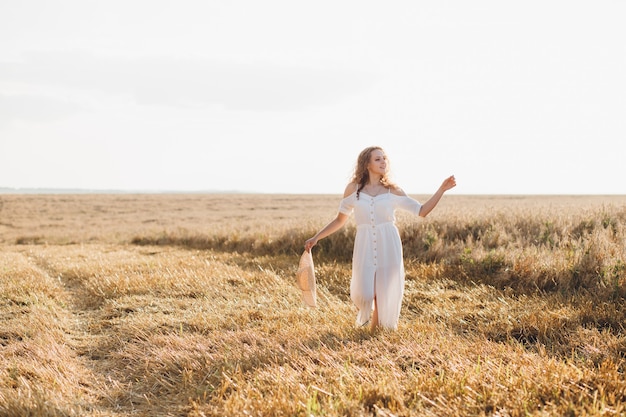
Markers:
point(85, 338)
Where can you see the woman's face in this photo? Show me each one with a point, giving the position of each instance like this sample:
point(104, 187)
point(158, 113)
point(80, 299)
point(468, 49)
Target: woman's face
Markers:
point(378, 162)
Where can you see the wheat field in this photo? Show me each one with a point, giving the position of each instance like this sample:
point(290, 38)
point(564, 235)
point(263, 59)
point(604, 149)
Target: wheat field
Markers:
point(186, 305)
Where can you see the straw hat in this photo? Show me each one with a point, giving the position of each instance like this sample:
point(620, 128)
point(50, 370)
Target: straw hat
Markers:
point(305, 279)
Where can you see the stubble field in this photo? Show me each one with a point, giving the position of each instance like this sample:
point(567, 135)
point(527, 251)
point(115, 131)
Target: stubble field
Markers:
point(186, 305)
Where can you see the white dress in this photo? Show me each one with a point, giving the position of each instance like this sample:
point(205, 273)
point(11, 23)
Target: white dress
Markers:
point(377, 263)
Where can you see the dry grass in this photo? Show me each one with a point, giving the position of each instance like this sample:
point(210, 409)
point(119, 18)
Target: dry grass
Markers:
point(185, 305)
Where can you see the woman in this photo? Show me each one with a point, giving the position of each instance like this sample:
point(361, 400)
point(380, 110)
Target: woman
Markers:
point(377, 285)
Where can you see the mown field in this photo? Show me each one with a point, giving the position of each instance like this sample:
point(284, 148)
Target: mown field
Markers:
point(186, 305)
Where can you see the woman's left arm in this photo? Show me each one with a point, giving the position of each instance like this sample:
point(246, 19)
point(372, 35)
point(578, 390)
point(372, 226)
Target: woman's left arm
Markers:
point(432, 202)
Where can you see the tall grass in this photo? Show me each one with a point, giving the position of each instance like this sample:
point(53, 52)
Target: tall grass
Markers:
point(527, 251)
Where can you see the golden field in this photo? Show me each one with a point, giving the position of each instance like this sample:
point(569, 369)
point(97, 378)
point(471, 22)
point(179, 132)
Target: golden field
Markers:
point(186, 305)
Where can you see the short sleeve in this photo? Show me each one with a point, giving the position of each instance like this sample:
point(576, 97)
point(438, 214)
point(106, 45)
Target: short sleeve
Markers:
point(407, 203)
point(346, 206)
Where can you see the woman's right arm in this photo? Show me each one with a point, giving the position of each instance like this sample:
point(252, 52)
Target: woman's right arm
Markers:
point(327, 230)
point(334, 225)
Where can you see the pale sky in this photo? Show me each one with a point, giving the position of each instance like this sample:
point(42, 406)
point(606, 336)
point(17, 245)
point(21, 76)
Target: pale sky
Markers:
point(524, 97)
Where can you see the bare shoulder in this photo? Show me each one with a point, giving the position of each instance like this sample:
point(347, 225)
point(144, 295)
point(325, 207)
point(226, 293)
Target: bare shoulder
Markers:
point(350, 189)
point(396, 190)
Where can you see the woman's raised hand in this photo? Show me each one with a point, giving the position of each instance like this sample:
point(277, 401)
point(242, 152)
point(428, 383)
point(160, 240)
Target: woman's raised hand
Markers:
point(448, 183)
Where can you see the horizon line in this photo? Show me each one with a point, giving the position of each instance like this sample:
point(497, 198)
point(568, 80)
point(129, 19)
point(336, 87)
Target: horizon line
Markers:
point(61, 191)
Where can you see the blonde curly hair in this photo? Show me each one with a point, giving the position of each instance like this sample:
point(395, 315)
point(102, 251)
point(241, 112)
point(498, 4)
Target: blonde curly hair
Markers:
point(361, 174)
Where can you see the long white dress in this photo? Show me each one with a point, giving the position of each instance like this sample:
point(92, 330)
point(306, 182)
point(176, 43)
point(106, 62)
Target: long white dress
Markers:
point(377, 260)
